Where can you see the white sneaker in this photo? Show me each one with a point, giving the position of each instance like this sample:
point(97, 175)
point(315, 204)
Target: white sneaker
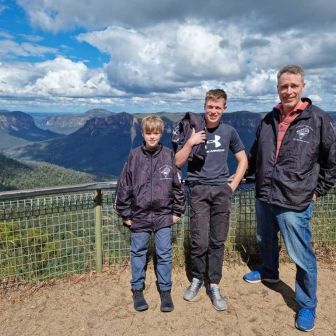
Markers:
point(191, 292)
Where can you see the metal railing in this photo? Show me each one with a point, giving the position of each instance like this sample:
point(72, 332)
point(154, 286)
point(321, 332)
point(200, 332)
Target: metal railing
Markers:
point(56, 232)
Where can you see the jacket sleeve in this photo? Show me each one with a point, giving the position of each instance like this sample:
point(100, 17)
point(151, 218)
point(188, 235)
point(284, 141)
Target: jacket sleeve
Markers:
point(327, 157)
point(252, 157)
point(124, 193)
point(178, 191)
point(177, 136)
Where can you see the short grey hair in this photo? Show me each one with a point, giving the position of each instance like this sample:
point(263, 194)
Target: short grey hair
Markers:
point(292, 69)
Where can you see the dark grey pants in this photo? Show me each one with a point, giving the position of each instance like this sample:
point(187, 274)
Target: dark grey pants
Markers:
point(209, 226)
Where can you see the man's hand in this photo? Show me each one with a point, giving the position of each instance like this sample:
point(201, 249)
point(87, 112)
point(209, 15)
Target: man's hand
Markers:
point(127, 222)
point(175, 219)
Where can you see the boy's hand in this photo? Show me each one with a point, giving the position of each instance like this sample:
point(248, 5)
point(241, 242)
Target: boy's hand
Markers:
point(197, 138)
point(175, 219)
point(127, 222)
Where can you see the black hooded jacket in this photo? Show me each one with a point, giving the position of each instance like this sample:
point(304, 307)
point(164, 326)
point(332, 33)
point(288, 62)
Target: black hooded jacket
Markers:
point(306, 162)
point(150, 190)
point(182, 132)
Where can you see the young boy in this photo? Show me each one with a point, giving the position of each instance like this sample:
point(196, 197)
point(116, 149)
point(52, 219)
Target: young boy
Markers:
point(150, 198)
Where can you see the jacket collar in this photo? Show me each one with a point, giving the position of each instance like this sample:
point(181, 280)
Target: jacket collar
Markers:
point(151, 153)
point(306, 113)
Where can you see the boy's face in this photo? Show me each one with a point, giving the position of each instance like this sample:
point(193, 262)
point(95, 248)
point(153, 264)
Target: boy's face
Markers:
point(152, 139)
point(213, 111)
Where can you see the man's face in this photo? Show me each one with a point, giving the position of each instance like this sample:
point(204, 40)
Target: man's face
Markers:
point(214, 108)
point(152, 139)
point(290, 88)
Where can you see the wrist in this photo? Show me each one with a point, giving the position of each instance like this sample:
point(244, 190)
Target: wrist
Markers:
point(189, 143)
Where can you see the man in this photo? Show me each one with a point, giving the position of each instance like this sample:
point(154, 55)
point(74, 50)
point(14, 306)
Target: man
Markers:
point(210, 193)
point(294, 159)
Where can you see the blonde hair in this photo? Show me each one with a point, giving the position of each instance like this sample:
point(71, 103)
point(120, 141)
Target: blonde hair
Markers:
point(215, 94)
point(152, 124)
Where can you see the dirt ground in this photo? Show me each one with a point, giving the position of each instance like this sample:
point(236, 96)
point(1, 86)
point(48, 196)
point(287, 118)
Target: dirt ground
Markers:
point(101, 304)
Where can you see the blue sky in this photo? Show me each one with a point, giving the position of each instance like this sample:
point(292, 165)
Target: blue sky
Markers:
point(150, 56)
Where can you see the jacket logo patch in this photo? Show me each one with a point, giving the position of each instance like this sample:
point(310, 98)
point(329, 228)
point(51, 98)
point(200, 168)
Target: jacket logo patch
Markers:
point(302, 132)
point(165, 171)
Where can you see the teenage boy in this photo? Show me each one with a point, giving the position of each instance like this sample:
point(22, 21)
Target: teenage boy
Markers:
point(210, 190)
point(150, 198)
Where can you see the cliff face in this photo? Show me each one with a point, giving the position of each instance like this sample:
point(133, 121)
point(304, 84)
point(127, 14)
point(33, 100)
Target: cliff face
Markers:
point(22, 125)
point(68, 123)
point(102, 145)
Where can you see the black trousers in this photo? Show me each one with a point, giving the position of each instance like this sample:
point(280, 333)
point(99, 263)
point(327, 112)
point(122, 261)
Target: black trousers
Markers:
point(209, 226)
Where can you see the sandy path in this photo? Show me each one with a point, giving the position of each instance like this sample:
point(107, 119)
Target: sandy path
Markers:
point(102, 305)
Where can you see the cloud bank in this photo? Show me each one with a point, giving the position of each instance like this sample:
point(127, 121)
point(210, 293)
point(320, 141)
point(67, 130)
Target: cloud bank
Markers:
point(165, 55)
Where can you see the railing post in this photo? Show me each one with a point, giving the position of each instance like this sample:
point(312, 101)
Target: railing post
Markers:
point(98, 230)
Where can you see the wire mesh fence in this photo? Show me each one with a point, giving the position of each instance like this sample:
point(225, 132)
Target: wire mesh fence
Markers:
point(45, 236)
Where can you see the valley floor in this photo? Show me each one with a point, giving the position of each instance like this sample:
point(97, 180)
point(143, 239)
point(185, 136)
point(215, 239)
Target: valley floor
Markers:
point(101, 304)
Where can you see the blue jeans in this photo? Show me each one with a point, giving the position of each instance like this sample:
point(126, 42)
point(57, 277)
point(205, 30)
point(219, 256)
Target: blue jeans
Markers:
point(294, 227)
point(164, 255)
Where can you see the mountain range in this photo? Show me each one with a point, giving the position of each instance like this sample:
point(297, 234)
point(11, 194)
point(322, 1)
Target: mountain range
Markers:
point(102, 139)
point(17, 128)
point(67, 123)
point(102, 144)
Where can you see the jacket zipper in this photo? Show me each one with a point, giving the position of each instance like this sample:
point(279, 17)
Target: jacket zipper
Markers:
point(275, 161)
point(151, 183)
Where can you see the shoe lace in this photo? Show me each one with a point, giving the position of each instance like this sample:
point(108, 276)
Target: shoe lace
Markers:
point(138, 293)
point(195, 284)
point(216, 293)
point(165, 294)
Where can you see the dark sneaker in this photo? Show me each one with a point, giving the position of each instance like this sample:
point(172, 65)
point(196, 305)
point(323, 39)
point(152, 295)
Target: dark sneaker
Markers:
point(216, 298)
point(191, 292)
point(167, 304)
point(139, 301)
point(305, 319)
point(255, 277)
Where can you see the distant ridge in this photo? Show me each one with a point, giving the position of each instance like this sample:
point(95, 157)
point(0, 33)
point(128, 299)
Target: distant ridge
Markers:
point(102, 145)
point(16, 175)
point(69, 123)
point(18, 127)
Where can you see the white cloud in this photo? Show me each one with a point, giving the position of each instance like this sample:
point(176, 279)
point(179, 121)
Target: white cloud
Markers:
point(6, 35)
point(261, 15)
point(32, 38)
point(10, 48)
point(168, 57)
point(168, 53)
point(315, 98)
point(58, 78)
